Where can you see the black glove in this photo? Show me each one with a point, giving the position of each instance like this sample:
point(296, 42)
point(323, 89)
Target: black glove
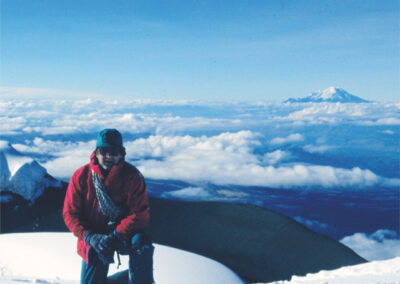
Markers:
point(103, 245)
point(118, 243)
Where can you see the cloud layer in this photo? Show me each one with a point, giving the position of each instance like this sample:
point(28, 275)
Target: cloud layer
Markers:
point(229, 158)
point(263, 144)
point(383, 244)
point(49, 117)
point(291, 138)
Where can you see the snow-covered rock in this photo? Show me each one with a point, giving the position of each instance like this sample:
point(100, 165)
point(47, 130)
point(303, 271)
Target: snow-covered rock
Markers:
point(331, 94)
point(52, 258)
point(21, 174)
point(383, 271)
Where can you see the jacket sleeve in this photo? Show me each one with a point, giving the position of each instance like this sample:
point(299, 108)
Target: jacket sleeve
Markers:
point(73, 207)
point(138, 217)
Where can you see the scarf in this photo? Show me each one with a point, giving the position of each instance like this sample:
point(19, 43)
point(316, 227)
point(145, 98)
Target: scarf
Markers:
point(107, 206)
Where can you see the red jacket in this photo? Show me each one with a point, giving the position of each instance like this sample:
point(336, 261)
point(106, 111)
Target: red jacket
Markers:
point(126, 187)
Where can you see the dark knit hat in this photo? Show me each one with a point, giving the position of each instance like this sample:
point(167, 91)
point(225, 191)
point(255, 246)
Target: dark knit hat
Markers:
point(109, 138)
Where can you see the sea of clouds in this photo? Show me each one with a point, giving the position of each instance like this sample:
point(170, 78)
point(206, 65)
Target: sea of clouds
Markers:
point(327, 147)
point(258, 144)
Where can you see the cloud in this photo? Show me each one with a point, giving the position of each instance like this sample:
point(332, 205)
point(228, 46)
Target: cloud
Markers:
point(48, 116)
point(59, 95)
point(232, 195)
point(41, 146)
point(325, 113)
point(384, 121)
point(275, 156)
point(68, 156)
point(372, 114)
point(59, 117)
point(232, 144)
point(11, 126)
point(222, 144)
point(291, 138)
point(383, 244)
point(229, 158)
point(221, 171)
point(188, 193)
point(64, 167)
point(198, 193)
point(330, 109)
point(313, 224)
point(317, 148)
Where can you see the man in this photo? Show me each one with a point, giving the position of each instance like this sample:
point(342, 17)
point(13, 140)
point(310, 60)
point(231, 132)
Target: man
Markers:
point(107, 208)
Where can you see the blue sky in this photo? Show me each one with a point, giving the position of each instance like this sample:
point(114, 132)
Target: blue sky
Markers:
point(211, 50)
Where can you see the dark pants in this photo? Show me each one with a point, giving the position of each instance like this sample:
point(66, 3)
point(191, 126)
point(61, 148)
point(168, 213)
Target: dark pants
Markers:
point(140, 266)
point(95, 271)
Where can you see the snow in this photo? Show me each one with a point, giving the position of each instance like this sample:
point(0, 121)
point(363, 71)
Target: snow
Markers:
point(327, 93)
point(52, 257)
point(332, 93)
point(21, 174)
point(384, 271)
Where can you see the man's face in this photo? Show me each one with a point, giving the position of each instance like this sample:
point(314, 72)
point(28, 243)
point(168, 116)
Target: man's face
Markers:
point(108, 157)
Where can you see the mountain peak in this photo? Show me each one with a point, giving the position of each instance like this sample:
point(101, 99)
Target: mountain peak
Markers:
point(21, 174)
point(331, 94)
point(331, 91)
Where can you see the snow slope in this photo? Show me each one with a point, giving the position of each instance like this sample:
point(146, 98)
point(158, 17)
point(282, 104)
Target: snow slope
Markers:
point(22, 174)
point(331, 94)
point(384, 271)
point(52, 258)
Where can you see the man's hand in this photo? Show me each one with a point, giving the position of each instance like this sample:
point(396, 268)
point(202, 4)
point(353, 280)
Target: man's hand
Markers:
point(103, 245)
point(118, 243)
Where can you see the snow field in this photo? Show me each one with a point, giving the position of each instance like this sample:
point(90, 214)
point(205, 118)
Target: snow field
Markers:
point(52, 258)
point(375, 272)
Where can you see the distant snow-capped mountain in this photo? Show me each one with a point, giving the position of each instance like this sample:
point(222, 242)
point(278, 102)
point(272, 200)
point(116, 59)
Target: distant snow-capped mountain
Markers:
point(331, 94)
point(22, 175)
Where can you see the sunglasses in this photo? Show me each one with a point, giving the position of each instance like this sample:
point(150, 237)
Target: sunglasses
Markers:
point(111, 151)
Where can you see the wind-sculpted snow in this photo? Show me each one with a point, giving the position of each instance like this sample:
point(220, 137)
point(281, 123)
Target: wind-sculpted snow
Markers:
point(21, 174)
